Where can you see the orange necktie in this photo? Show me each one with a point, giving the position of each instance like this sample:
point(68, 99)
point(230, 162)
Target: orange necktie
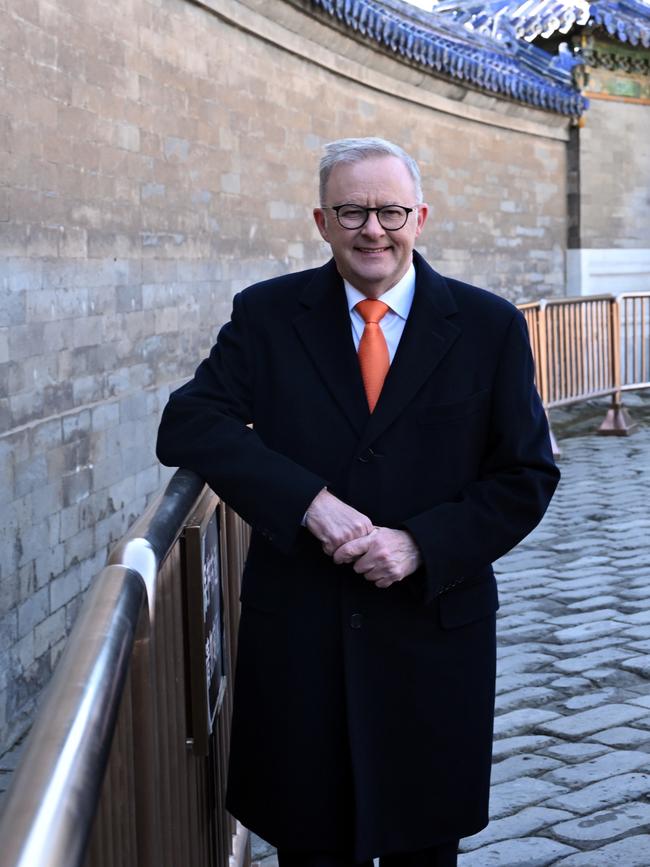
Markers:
point(373, 351)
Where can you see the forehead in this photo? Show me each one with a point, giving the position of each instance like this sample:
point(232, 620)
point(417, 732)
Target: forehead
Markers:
point(381, 179)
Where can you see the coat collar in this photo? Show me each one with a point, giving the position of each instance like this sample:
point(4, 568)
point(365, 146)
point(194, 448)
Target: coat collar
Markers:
point(324, 328)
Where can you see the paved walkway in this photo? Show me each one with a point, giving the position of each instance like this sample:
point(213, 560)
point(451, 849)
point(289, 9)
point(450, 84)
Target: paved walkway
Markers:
point(571, 778)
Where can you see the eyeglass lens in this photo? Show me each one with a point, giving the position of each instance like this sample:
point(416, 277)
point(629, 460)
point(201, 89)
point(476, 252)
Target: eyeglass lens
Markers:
point(354, 216)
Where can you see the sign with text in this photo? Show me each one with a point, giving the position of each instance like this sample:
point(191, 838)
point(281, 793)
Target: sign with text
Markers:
point(205, 626)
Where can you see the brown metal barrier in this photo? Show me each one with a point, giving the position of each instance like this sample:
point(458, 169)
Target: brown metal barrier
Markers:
point(634, 316)
point(125, 765)
point(591, 347)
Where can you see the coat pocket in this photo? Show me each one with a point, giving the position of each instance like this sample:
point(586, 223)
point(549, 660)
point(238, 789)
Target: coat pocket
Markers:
point(459, 409)
point(468, 604)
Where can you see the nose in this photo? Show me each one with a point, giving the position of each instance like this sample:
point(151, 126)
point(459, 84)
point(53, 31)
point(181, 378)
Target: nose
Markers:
point(372, 227)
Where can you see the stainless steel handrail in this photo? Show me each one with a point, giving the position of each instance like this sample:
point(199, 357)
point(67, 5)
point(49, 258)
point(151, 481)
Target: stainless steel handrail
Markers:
point(153, 535)
point(53, 798)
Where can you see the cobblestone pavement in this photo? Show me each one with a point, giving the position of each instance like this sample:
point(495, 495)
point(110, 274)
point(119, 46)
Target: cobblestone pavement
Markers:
point(571, 777)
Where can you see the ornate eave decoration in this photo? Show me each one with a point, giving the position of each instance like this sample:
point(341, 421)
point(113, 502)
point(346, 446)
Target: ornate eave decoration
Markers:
point(501, 67)
point(601, 54)
point(528, 19)
point(625, 20)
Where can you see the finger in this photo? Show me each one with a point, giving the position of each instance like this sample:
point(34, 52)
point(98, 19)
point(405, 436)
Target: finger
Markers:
point(365, 564)
point(360, 528)
point(350, 551)
point(379, 579)
point(345, 550)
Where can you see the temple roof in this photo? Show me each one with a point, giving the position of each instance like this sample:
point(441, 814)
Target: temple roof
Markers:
point(504, 66)
point(528, 18)
point(625, 20)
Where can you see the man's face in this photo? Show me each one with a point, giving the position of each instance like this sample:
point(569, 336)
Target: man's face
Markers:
point(371, 258)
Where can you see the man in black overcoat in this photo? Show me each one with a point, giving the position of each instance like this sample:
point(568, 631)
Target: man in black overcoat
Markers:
point(378, 500)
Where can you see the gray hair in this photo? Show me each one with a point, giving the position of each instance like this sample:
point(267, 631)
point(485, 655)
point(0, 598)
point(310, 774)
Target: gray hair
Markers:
point(352, 150)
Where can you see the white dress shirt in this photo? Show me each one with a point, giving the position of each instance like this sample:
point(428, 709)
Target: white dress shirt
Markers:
point(399, 299)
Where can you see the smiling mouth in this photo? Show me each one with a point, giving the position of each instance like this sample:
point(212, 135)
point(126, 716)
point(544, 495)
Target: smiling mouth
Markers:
point(372, 249)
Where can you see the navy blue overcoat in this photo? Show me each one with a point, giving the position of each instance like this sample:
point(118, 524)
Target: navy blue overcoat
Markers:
point(363, 717)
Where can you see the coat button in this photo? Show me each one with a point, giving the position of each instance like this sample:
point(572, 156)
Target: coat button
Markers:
point(356, 621)
point(366, 457)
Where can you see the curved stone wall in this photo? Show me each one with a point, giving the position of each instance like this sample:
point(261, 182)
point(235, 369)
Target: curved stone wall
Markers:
point(155, 157)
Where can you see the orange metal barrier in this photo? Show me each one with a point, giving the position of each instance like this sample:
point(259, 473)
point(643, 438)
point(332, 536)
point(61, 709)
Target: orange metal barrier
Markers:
point(591, 347)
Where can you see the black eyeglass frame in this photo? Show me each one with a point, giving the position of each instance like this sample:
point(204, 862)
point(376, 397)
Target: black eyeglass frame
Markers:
point(337, 208)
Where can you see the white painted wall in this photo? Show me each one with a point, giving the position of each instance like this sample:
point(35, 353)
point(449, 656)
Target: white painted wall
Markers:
point(608, 271)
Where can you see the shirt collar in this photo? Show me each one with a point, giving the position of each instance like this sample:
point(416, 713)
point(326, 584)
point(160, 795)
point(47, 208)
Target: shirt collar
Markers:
point(399, 298)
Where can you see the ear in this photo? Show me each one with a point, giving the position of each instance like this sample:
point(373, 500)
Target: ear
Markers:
point(321, 223)
point(423, 213)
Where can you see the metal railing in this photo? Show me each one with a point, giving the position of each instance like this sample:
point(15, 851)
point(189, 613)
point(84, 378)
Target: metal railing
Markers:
point(634, 317)
point(125, 764)
point(590, 347)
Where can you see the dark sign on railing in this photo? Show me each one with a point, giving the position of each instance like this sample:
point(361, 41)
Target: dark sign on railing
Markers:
point(205, 622)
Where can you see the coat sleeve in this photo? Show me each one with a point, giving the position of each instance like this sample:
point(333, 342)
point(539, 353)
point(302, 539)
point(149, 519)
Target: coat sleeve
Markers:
point(516, 482)
point(204, 428)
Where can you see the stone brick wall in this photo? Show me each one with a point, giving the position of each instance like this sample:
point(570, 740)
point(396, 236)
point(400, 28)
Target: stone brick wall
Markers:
point(154, 159)
point(615, 175)
point(610, 237)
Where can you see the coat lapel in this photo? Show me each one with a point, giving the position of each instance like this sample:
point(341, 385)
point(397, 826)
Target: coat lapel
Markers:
point(325, 331)
point(428, 336)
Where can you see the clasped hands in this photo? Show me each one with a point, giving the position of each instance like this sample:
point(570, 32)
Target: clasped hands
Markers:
point(380, 554)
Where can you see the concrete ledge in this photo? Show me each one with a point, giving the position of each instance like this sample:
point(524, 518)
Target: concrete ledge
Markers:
point(611, 271)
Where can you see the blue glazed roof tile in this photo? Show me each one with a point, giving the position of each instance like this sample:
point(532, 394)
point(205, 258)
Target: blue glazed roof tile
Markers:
point(505, 66)
point(625, 20)
point(526, 19)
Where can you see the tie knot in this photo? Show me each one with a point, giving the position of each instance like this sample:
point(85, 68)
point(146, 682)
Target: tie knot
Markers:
point(372, 310)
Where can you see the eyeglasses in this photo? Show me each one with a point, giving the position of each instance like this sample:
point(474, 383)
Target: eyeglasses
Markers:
point(390, 217)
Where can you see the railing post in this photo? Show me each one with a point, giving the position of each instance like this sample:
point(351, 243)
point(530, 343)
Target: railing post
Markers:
point(146, 747)
point(542, 372)
point(617, 422)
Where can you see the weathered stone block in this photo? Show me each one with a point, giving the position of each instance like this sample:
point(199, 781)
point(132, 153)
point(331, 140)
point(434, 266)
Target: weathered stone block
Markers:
point(8, 630)
point(48, 565)
point(531, 851)
point(12, 310)
point(23, 651)
point(77, 486)
point(78, 548)
point(34, 610)
point(64, 588)
point(76, 426)
point(30, 475)
point(605, 825)
point(49, 632)
point(509, 797)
